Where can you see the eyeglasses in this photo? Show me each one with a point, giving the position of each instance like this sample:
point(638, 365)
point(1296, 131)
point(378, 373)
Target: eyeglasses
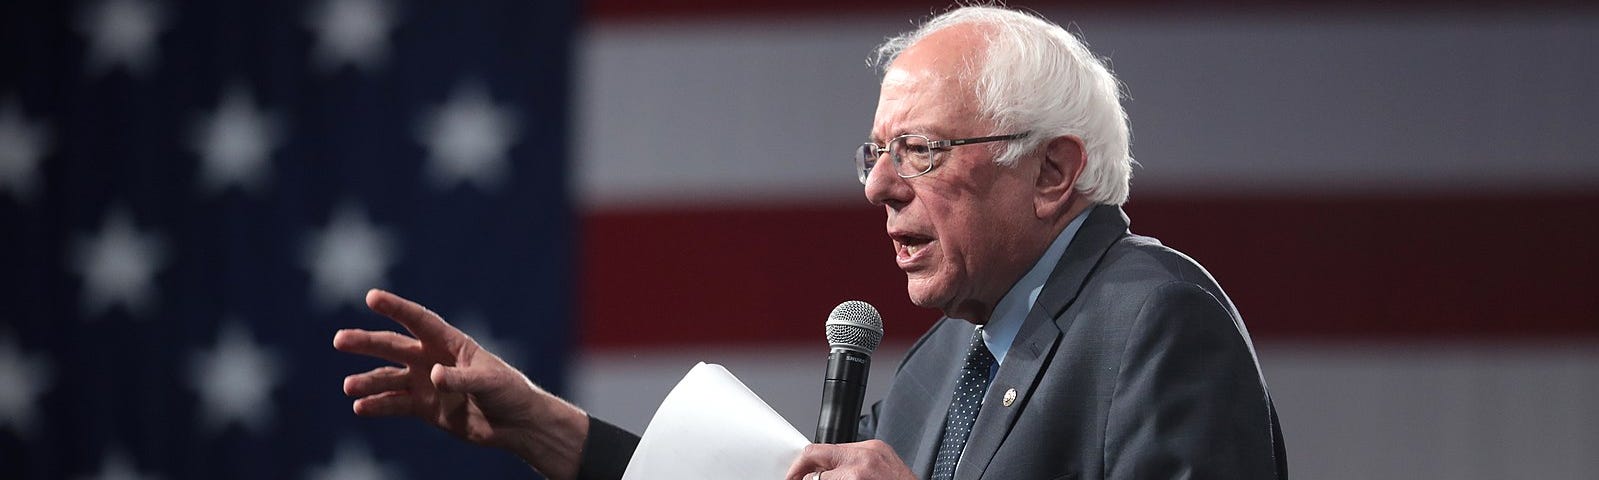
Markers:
point(913, 154)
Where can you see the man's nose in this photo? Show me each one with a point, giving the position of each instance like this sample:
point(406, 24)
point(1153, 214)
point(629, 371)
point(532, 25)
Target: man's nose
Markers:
point(884, 186)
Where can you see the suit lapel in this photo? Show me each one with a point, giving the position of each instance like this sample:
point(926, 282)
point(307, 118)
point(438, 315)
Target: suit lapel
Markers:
point(1037, 340)
point(1105, 225)
point(1020, 371)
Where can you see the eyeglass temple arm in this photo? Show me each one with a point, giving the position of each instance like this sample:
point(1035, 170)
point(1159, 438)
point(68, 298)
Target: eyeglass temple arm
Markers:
point(969, 141)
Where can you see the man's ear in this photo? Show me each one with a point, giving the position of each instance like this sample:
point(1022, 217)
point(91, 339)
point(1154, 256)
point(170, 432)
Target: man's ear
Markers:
point(1064, 161)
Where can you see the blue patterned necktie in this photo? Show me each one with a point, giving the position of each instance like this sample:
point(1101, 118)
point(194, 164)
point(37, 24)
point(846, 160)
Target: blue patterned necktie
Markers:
point(969, 391)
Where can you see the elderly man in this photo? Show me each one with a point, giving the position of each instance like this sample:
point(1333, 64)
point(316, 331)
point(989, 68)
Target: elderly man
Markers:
point(1070, 348)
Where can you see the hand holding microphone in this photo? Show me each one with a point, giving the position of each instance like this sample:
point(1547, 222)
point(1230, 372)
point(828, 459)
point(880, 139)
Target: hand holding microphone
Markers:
point(854, 330)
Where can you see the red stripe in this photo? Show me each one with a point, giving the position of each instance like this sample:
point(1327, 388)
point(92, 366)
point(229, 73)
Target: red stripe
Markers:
point(1363, 268)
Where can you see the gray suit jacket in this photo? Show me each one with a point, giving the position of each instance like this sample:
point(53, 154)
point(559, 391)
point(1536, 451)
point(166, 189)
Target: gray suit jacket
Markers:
point(1132, 364)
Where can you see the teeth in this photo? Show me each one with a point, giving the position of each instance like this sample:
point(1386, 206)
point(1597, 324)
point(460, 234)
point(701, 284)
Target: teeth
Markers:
point(911, 249)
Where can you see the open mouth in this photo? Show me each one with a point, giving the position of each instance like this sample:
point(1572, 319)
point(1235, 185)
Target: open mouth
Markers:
point(908, 245)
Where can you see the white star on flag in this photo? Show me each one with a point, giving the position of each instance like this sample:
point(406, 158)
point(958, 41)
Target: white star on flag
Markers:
point(235, 380)
point(23, 378)
point(122, 33)
point(468, 138)
point(348, 257)
point(473, 324)
point(352, 32)
point(353, 461)
point(234, 143)
point(118, 265)
point(115, 465)
point(22, 145)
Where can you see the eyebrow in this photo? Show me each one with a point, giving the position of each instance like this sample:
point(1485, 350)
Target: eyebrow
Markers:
point(924, 131)
point(872, 136)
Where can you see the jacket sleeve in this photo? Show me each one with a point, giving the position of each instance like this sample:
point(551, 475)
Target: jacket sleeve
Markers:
point(606, 451)
point(866, 429)
point(1189, 400)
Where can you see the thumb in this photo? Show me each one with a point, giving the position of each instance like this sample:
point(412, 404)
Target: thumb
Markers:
point(459, 380)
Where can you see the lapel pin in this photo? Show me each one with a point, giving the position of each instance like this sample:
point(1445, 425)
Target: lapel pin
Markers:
point(1010, 397)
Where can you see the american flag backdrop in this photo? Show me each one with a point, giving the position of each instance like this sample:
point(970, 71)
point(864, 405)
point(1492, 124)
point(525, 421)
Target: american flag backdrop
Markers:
point(1401, 197)
point(195, 195)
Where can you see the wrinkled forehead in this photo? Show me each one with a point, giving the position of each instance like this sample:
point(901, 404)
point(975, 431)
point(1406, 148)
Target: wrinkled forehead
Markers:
point(931, 84)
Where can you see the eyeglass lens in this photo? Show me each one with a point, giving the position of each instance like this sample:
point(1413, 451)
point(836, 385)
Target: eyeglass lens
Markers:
point(909, 153)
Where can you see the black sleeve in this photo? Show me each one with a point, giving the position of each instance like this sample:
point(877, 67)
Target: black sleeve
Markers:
point(606, 451)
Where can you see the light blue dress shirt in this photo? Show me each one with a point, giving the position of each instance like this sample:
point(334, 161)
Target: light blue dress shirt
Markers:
point(1012, 309)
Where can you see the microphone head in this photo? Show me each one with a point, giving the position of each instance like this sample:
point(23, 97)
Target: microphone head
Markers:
point(855, 325)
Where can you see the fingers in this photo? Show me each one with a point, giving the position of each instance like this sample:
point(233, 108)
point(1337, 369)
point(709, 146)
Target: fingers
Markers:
point(813, 475)
point(868, 459)
point(386, 404)
point(462, 380)
point(379, 380)
point(815, 458)
point(386, 345)
point(426, 325)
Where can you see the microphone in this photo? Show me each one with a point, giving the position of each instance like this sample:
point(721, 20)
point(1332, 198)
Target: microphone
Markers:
point(853, 331)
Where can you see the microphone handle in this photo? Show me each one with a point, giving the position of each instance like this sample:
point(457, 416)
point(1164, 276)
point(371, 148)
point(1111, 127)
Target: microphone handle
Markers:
point(843, 390)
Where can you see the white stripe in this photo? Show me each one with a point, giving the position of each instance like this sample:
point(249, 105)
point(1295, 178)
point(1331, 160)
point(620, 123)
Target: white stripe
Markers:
point(769, 110)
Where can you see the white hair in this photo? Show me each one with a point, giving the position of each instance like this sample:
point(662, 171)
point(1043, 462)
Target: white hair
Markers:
point(1035, 76)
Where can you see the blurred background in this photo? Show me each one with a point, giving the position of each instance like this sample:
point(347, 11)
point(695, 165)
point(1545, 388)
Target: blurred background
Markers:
point(1400, 197)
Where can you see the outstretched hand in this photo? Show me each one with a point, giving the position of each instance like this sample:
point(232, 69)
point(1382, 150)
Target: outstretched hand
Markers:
point(446, 379)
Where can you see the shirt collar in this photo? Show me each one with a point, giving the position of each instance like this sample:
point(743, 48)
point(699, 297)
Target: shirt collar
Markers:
point(1012, 309)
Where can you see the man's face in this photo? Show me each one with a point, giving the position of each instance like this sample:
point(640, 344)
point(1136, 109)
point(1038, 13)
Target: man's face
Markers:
point(961, 232)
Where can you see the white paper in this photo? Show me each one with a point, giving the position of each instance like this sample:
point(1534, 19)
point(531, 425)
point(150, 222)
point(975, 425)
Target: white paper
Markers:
point(713, 427)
